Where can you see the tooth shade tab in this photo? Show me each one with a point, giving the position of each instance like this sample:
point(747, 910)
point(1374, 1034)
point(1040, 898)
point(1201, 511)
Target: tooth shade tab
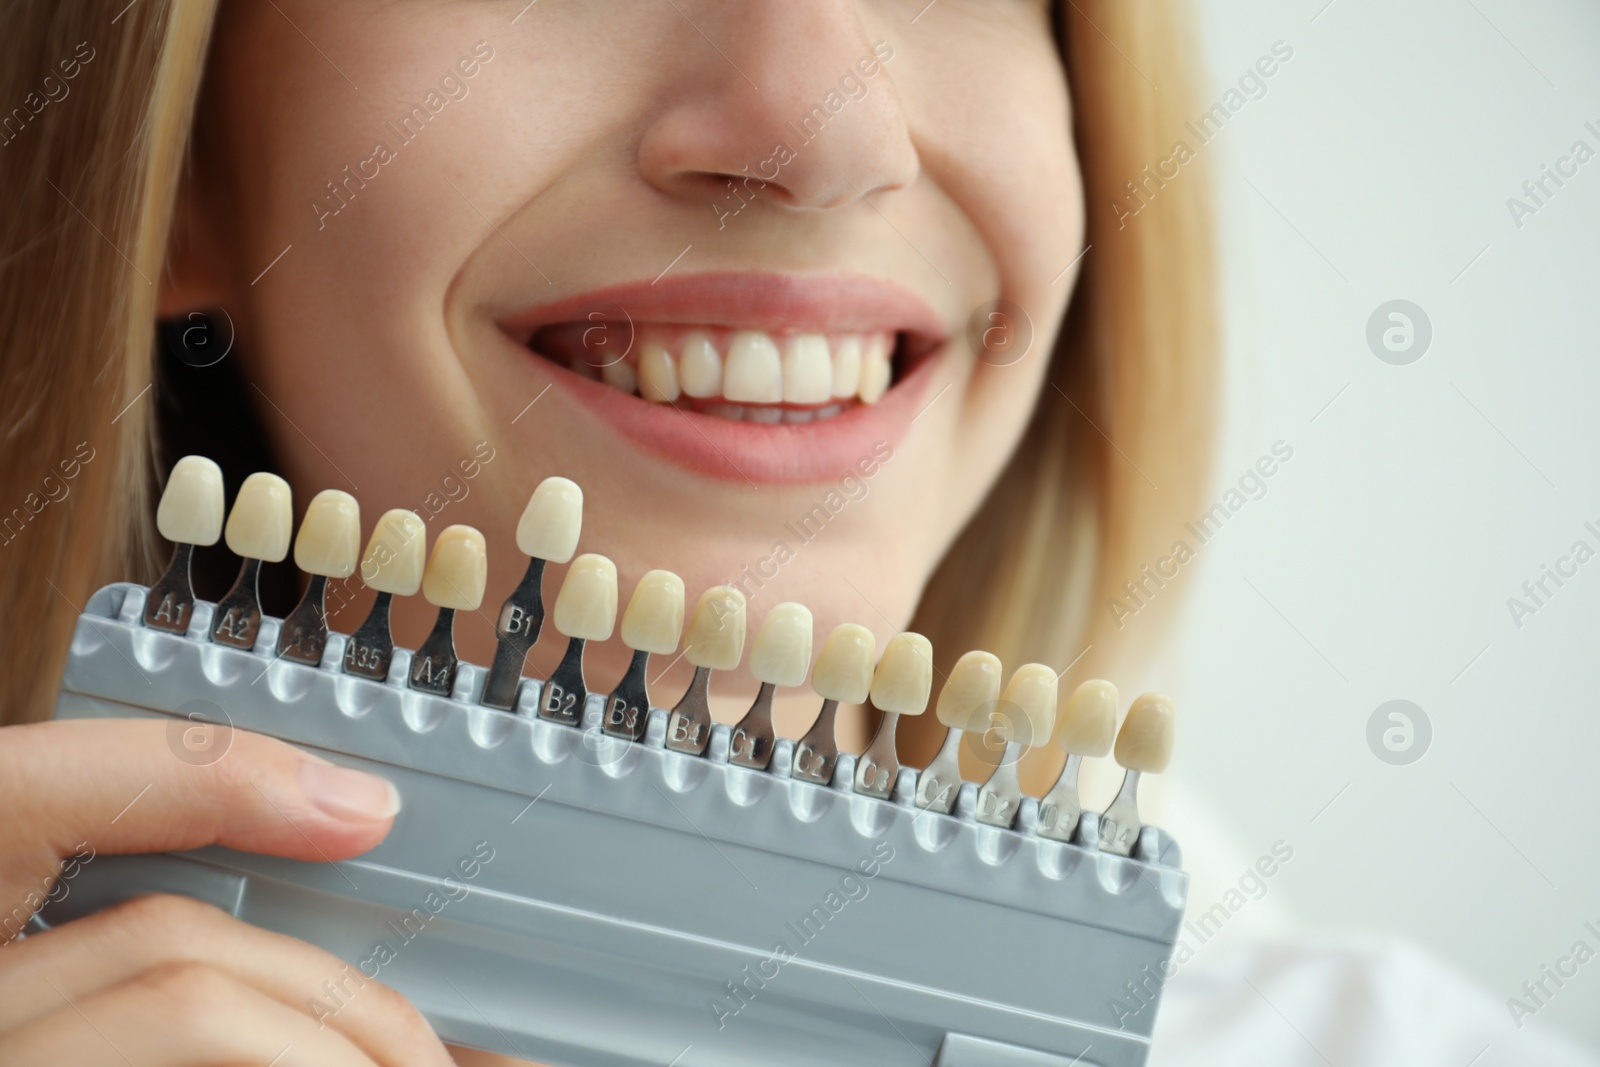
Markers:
point(586, 607)
point(191, 507)
point(552, 521)
point(395, 554)
point(1027, 709)
point(1145, 742)
point(753, 371)
point(262, 520)
point(654, 619)
point(457, 570)
point(844, 666)
point(781, 653)
point(329, 541)
point(970, 691)
point(904, 677)
point(1088, 724)
point(716, 632)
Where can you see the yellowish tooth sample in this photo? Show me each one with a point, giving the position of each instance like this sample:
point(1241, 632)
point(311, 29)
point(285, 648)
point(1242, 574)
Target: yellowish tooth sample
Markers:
point(1145, 742)
point(781, 653)
point(875, 372)
point(619, 375)
point(807, 370)
point(262, 520)
point(699, 366)
point(969, 693)
point(395, 554)
point(847, 366)
point(586, 607)
point(654, 619)
point(844, 666)
point(191, 505)
point(552, 521)
point(904, 677)
point(329, 542)
point(658, 375)
point(1027, 708)
point(1088, 724)
point(753, 371)
point(716, 632)
point(457, 569)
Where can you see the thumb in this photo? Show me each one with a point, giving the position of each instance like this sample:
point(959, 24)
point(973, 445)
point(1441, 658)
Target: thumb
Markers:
point(131, 785)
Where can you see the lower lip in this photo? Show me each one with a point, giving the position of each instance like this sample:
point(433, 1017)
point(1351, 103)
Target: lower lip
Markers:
point(736, 451)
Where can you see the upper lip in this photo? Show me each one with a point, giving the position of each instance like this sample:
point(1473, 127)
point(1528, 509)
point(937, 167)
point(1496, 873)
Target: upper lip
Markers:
point(776, 303)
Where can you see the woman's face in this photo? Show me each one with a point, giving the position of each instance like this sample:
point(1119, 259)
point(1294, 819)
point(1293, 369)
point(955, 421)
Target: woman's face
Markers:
point(463, 236)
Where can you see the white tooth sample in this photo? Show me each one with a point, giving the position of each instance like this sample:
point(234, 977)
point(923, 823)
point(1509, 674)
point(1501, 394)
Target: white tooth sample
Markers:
point(329, 541)
point(1145, 743)
point(1027, 709)
point(551, 522)
point(654, 619)
point(807, 370)
point(586, 607)
point(753, 373)
point(1088, 724)
point(395, 553)
point(970, 692)
point(874, 371)
point(844, 666)
point(619, 375)
point(699, 366)
point(716, 632)
point(457, 570)
point(847, 366)
point(191, 506)
point(658, 375)
point(904, 677)
point(262, 520)
point(781, 653)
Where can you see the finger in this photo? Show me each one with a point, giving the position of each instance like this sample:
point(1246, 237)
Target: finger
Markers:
point(178, 1015)
point(97, 953)
point(120, 786)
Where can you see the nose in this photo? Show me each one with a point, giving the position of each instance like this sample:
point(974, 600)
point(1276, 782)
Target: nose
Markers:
point(798, 106)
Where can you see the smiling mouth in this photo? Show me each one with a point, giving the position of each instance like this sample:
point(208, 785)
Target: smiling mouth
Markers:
point(756, 376)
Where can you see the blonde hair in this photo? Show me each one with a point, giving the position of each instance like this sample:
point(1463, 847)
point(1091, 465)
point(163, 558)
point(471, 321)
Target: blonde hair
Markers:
point(1112, 460)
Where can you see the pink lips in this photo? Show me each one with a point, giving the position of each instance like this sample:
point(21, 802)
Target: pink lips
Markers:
point(740, 451)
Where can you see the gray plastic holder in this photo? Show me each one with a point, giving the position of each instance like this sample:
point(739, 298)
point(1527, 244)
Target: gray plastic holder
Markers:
point(563, 896)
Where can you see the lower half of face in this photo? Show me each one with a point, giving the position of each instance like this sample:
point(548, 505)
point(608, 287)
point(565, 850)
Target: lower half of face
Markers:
point(775, 284)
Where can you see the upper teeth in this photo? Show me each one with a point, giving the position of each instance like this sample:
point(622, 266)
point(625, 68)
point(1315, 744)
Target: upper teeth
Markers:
point(758, 368)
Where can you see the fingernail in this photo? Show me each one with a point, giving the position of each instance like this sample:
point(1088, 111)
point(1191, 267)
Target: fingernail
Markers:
point(347, 795)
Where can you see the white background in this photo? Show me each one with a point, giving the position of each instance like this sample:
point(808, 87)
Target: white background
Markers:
point(1419, 498)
